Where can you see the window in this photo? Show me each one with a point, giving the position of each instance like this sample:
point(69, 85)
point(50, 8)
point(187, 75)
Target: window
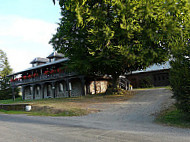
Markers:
point(155, 78)
point(163, 77)
point(60, 87)
point(37, 90)
point(49, 90)
point(70, 86)
point(31, 89)
point(158, 78)
point(35, 64)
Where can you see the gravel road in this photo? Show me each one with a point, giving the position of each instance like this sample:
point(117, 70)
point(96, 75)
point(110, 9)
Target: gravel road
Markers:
point(130, 121)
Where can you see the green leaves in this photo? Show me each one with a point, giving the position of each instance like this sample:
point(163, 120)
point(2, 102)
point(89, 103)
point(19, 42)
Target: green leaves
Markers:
point(119, 36)
point(5, 68)
point(180, 80)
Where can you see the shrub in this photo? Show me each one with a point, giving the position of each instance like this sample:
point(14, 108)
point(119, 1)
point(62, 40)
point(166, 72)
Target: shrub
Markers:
point(180, 82)
point(6, 91)
point(146, 82)
point(7, 94)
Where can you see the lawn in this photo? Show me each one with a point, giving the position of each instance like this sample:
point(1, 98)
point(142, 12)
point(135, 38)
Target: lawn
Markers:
point(69, 106)
point(174, 117)
point(166, 87)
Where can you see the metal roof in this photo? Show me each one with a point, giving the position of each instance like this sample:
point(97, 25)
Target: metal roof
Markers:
point(55, 54)
point(39, 60)
point(40, 66)
point(155, 67)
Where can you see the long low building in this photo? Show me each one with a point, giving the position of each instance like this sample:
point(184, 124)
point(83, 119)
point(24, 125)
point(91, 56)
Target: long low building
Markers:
point(48, 79)
point(154, 76)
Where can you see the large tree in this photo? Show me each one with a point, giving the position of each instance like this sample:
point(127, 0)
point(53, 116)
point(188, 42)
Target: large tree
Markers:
point(117, 36)
point(180, 78)
point(5, 68)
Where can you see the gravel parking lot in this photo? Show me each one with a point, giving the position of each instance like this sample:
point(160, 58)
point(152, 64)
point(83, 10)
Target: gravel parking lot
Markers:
point(130, 121)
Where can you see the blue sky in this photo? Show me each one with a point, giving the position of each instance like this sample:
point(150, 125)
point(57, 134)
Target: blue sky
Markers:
point(25, 29)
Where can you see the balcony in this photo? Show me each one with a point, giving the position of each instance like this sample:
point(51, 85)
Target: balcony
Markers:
point(42, 78)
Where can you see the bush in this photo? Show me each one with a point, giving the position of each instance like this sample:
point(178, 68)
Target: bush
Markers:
point(180, 82)
point(6, 91)
point(146, 82)
point(7, 94)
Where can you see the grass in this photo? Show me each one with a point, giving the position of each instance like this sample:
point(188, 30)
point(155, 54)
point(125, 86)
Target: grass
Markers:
point(10, 101)
point(174, 117)
point(77, 112)
point(166, 87)
point(69, 106)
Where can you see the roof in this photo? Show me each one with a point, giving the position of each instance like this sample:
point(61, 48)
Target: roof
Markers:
point(39, 60)
point(155, 67)
point(40, 66)
point(57, 55)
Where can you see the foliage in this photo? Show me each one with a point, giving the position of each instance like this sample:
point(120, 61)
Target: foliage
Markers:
point(5, 69)
point(6, 91)
point(174, 117)
point(180, 79)
point(114, 37)
point(146, 82)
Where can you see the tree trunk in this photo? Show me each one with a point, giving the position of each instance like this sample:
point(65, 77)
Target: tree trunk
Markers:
point(114, 82)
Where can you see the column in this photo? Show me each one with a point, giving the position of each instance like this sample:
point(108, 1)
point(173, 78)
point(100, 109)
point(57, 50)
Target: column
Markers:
point(23, 92)
point(67, 87)
point(13, 93)
point(32, 91)
point(42, 90)
point(53, 88)
point(83, 93)
point(94, 86)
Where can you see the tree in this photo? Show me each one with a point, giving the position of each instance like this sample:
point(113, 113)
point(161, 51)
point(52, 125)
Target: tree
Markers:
point(5, 69)
point(180, 79)
point(114, 36)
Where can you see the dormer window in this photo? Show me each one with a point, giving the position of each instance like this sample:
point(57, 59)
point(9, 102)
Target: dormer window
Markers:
point(34, 65)
point(55, 56)
point(39, 61)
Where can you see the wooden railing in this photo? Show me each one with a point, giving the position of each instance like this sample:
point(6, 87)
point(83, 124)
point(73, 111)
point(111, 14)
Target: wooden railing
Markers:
point(41, 78)
point(124, 83)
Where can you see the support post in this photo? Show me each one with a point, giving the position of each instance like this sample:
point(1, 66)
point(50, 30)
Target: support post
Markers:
point(83, 93)
point(13, 93)
point(94, 86)
point(129, 86)
point(42, 90)
point(67, 87)
point(23, 92)
point(53, 88)
point(32, 91)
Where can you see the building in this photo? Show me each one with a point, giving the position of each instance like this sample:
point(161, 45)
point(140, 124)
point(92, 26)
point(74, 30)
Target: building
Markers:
point(154, 76)
point(48, 79)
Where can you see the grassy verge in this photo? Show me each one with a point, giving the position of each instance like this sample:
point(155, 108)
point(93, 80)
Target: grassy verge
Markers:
point(77, 112)
point(174, 117)
point(10, 101)
point(166, 87)
point(69, 106)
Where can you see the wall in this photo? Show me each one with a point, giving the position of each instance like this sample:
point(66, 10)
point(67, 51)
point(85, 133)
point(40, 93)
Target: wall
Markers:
point(101, 87)
point(76, 88)
point(27, 92)
point(148, 79)
point(61, 92)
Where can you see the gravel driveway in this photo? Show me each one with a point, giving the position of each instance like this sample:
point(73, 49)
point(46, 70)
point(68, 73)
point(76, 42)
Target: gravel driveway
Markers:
point(130, 121)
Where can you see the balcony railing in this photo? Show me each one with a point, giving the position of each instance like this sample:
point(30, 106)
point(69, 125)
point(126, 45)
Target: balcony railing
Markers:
point(41, 78)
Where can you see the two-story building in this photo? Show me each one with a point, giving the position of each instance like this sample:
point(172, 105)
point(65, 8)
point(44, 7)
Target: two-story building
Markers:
point(48, 79)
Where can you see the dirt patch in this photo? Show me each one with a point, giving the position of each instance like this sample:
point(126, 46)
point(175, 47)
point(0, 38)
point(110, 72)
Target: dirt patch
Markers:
point(86, 103)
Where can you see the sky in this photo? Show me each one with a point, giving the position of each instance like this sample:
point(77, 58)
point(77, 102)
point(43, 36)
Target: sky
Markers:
point(26, 26)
